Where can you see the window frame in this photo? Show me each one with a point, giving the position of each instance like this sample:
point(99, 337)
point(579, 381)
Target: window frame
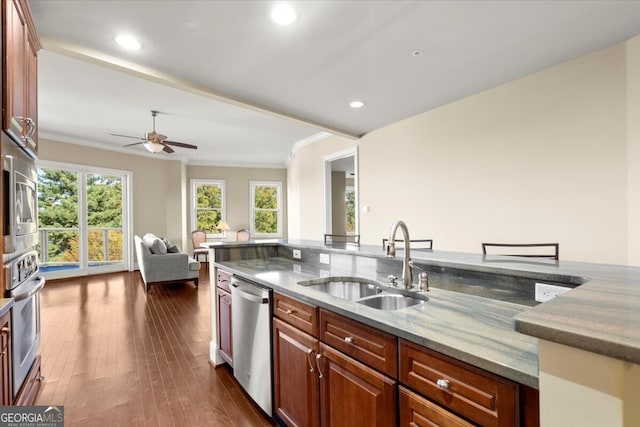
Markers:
point(252, 207)
point(193, 208)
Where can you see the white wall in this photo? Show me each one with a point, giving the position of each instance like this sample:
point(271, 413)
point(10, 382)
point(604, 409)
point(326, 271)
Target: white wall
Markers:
point(633, 149)
point(541, 159)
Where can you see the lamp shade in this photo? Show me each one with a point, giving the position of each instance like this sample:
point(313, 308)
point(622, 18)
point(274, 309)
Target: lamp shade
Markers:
point(222, 225)
point(154, 147)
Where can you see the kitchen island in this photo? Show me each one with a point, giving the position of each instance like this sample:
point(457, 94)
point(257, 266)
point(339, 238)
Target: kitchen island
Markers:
point(480, 331)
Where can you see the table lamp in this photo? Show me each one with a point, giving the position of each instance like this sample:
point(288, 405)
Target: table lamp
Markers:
point(222, 225)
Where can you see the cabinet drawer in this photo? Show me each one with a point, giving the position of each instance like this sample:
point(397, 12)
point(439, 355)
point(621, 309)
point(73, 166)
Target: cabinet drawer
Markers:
point(415, 410)
point(297, 313)
point(223, 280)
point(481, 397)
point(370, 346)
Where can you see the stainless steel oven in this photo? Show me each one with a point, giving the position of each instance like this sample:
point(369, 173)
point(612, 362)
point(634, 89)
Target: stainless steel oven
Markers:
point(24, 284)
point(20, 200)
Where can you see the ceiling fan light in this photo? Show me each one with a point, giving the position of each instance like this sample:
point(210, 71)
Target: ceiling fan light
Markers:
point(153, 147)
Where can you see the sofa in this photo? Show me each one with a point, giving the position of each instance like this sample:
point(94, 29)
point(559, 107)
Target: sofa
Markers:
point(160, 262)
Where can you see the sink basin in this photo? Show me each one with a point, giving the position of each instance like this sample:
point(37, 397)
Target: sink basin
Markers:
point(348, 288)
point(390, 301)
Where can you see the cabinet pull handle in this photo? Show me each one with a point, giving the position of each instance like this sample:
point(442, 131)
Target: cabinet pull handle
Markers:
point(6, 330)
point(289, 311)
point(348, 339)
point(309, 359)
point(318, 357)
point(442, 384)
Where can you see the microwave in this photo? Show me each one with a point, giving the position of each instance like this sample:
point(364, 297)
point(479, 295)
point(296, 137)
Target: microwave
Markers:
point(20, 199)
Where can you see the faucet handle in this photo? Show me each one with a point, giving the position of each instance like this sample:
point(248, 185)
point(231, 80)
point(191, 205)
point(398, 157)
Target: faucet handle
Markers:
point(423, 283)
point(392, 280)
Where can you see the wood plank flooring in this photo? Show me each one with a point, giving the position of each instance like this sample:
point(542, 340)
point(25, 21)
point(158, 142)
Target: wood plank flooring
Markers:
point(114, 355)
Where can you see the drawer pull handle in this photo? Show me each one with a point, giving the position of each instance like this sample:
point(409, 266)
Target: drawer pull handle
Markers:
point(318, 357)
point(309, 358)
point(289, 311)
point(443, 384)
point(348, 339)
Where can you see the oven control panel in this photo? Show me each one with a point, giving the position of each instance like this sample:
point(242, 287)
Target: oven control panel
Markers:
point(21, 269)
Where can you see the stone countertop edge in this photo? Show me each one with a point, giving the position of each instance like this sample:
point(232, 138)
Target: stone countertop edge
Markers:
point(5, 305)
point(451, 323)
point(601, 315)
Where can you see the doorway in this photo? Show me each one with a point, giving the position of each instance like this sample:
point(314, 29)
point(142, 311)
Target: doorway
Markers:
point(341, 193)
point(83, 220)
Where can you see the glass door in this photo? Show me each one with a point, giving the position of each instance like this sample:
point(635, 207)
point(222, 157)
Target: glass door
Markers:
point(82, 220)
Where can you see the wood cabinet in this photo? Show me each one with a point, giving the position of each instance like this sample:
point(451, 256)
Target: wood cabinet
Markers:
point(296, 382)
point(223, 294)
point(316, 384)
point(6, 395)
point(479, 396)
point(417, 411)
point(352, 393)
point(20, 74)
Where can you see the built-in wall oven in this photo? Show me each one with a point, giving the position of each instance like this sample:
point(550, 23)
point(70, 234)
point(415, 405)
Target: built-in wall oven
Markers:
point(19, 180)
point(23, 284)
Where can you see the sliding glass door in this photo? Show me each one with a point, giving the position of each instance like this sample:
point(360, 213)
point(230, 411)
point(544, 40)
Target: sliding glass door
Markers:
point(82, 218)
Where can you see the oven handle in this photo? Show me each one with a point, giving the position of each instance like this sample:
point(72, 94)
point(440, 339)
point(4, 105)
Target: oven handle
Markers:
point(37, 288)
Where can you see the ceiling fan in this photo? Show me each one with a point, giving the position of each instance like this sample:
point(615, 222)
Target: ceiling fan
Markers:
point(156, 142)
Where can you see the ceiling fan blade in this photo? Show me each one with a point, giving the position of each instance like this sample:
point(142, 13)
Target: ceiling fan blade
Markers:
point(168, 149)
point(180, 144)
point(126, 136)
point(135, 143)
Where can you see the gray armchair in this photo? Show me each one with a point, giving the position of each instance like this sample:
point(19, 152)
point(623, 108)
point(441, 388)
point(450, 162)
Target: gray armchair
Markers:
point(159, 266)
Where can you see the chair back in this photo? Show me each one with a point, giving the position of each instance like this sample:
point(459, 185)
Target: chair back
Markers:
point(243, 235)
point(415, 243)
point(535, 249)
point(330, 239)
point(197, 237)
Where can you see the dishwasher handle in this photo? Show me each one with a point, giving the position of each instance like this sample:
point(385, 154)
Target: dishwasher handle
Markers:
point(248, 296)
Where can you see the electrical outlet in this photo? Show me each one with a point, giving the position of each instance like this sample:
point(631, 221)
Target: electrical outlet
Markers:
point(297, 254)
point(324, 259)
point(297, 268)
point(546, 292)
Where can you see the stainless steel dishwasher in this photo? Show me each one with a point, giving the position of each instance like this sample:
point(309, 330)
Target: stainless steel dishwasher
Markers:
point(251, 333)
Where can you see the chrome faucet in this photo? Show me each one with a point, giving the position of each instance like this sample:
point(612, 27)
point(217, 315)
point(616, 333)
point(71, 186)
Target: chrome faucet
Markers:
point(391, 251)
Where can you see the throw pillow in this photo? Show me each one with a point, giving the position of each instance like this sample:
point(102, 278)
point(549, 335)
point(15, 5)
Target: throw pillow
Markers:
point(155, 244)
point(171, 248)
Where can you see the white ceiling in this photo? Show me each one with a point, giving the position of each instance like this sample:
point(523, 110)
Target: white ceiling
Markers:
point(228, 79)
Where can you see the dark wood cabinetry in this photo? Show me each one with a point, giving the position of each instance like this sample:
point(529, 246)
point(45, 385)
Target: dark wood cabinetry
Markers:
point(417, 411)
point(31, 385)
point(296, 382)
point(223, 294)
point(20, 74)
point(5, 359)
point(316, 384)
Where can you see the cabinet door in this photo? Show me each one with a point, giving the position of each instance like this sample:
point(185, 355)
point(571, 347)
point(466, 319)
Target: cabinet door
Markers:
point(352, 394)
point(15, 75)
point(31, 110)
point(224, 325)
point(5, 360)
point(296, 389)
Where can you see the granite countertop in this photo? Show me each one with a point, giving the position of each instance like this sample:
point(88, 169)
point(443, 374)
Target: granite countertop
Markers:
point(476, 330)
point(601, 315)
point(5, 305)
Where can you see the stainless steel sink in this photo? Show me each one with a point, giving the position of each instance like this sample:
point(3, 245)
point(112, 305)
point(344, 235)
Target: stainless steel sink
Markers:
point(348, 288)
point(390, 301)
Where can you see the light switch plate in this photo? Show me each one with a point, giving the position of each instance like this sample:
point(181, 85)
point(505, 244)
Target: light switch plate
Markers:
point(324, 259)
point(297, 254)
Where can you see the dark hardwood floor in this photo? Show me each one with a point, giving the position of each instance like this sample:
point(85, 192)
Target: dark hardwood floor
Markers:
point(114, 355)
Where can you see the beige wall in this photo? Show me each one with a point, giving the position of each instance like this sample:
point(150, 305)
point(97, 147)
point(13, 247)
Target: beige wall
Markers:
point(540, 159)
point(633, 148)
point(237, 188)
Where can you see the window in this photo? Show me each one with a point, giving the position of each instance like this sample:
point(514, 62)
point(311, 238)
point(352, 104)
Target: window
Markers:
point(207, 205)
point(266, 209)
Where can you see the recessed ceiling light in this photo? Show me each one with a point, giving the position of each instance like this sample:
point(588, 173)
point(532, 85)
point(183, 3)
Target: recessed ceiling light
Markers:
point(356, 104)
point(128, 42)
point(283, 14)
point(416, 53)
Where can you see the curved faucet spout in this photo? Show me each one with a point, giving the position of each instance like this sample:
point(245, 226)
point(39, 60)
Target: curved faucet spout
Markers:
point(391, 250)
